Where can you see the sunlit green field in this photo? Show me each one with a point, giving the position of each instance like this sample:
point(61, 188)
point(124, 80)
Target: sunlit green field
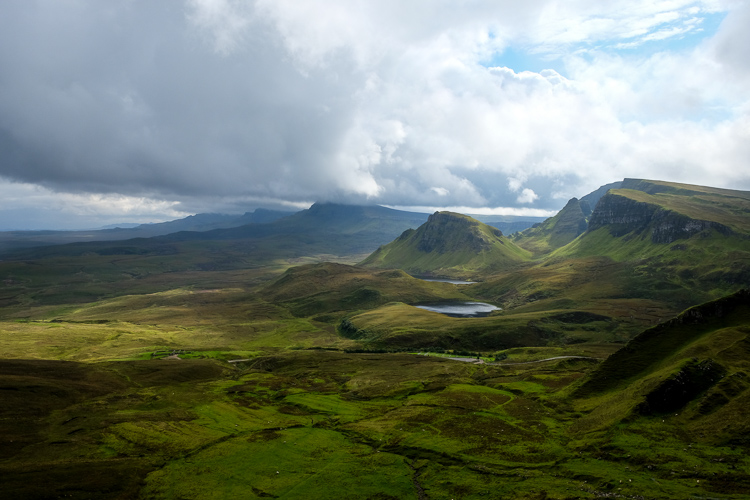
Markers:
point(324, 424)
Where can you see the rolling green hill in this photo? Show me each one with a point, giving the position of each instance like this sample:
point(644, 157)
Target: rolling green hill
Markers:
point(451, 245)
point(640, 209)
point(674, 341)
point(326, 287)
point(665, 212)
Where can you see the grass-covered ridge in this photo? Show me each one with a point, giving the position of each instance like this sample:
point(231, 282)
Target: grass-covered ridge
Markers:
point(692, 370)
point(556, 231)
point(449, 244)
point(663, 342)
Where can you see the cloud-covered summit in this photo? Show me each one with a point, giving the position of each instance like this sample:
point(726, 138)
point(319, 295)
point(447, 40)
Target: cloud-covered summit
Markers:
point(213, 105)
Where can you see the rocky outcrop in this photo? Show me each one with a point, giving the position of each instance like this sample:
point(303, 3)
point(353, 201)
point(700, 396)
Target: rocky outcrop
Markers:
point(447, 232)
point(622, 215)
point(669, 226)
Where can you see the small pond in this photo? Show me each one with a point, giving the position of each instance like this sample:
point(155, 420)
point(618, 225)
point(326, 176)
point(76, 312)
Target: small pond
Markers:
point(460, 309)
point(446, 280)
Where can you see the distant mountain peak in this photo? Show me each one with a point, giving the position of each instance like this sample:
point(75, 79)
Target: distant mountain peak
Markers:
point(448, 231)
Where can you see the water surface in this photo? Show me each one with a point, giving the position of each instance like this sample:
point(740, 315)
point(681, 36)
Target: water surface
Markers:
point(446, 280)
point(460, 309)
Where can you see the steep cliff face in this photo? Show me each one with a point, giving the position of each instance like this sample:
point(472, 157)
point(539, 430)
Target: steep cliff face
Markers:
point(622, 215)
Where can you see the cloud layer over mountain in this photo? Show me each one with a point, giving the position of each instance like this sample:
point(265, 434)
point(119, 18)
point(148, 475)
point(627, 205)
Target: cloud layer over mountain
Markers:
point(217, 105)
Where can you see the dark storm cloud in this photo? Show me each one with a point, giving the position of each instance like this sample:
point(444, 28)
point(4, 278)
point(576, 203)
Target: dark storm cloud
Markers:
point(126, 97)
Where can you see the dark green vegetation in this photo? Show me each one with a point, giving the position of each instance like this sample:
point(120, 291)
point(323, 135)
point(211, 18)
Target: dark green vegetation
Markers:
point(242, 363)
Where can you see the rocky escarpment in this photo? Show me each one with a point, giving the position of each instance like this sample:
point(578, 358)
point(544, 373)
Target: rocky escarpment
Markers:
point(622, 215)
point(439, 234)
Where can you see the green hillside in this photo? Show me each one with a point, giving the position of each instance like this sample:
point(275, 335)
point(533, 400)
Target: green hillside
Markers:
point(326, 287)
point(449, 245)
point(557, 231)
point(651, 250)
point(641, 209)
point(687, 237)
point(695, 367)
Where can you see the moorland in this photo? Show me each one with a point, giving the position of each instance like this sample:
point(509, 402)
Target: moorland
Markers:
point(282, 355)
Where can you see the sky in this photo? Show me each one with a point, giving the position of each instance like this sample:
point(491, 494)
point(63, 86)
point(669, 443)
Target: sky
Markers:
point(142, 111)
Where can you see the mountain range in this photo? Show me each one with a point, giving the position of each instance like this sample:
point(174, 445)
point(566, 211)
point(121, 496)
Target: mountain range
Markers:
point(11, 240)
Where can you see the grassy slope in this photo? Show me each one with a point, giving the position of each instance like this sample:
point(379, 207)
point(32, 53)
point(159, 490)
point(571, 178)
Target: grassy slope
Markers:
point(299, 309)
point(554, 232)
point(654, 187)
point(667, 343)
point(402, 325)
point(323, 288)
point(685, 380)
point(466, 248)
point(197, 429)
point(629, 275)
point(316, 424)
point(705, 264)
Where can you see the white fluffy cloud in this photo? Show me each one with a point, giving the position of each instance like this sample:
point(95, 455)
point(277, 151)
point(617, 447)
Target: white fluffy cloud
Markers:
point(527, 196)
point(208, 103)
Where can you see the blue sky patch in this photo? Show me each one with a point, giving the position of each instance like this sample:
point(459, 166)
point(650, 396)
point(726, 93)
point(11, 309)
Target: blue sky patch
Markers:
point(681, 35)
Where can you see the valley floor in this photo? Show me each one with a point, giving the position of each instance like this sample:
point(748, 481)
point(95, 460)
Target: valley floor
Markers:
point(330, 424)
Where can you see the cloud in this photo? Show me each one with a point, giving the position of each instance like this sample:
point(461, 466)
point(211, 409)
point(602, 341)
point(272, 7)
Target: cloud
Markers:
point(223, 22)
point(527, 196)
point(29, 206)
point(212, 104)
point(730, 48)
